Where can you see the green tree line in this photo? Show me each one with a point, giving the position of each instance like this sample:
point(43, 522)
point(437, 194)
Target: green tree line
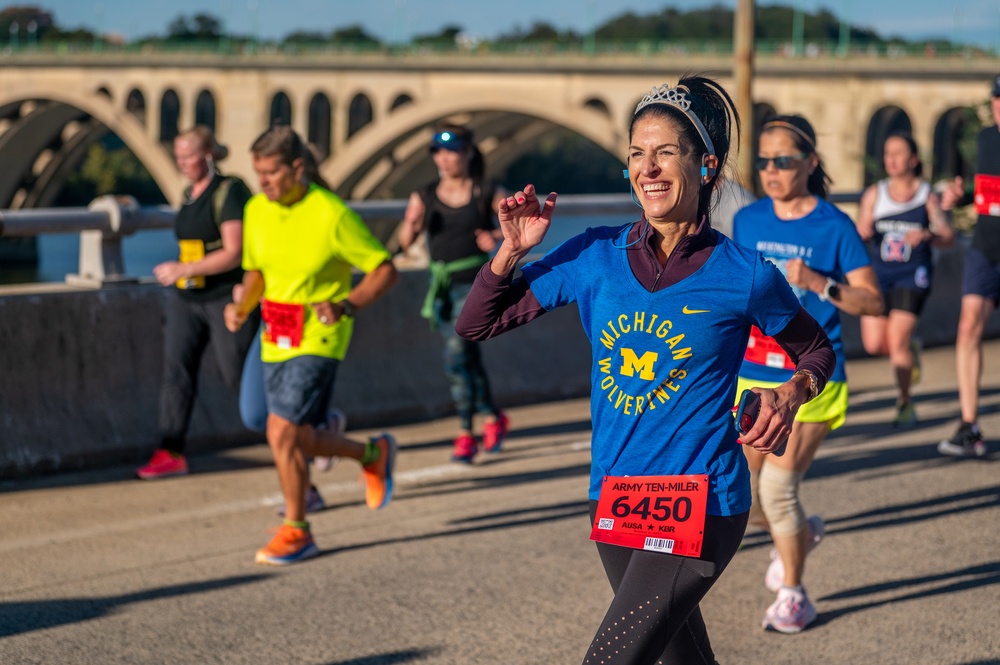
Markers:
point(712, 24)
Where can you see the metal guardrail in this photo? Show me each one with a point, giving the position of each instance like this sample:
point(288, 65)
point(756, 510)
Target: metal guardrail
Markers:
point(477, 48)
point(105, 222)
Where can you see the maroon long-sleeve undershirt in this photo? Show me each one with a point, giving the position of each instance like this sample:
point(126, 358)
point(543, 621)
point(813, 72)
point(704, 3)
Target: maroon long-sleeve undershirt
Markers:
point(497, 304)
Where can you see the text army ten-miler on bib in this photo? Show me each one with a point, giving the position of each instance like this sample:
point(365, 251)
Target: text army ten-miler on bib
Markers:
point(658, 513)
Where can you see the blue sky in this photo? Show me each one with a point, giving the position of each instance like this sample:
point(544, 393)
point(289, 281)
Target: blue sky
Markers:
point(973, 21)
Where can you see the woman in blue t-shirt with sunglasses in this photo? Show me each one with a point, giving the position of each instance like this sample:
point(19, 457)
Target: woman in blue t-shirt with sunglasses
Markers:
point(819, 251)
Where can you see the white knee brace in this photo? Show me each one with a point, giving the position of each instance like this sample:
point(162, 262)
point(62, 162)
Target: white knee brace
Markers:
point(779, 498)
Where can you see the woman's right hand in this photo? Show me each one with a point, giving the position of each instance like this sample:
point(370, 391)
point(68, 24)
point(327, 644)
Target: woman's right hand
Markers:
point(523, 221)
point(775, 419)
point(233, 317)
point(952, 193)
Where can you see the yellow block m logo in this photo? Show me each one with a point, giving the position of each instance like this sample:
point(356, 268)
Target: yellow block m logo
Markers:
point(631, 363)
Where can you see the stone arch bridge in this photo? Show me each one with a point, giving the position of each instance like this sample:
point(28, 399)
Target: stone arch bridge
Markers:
point(370, 116)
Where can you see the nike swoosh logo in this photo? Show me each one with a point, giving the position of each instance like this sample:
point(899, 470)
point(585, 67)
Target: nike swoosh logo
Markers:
point(694, 311)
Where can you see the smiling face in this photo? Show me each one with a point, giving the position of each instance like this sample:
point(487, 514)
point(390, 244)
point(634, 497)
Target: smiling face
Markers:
point(191, 158)
point(898, 158)
point(665, 172)
point(793, 183)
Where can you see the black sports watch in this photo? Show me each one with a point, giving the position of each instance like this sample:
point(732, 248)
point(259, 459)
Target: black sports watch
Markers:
point(347, 308)
point(831, 291)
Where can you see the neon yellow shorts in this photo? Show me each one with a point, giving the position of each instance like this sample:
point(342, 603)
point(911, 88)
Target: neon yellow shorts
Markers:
point(829, 406)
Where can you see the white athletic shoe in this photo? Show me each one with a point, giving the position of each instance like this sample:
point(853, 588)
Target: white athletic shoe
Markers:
point(775, 576)
point(336, 421)
point(791, 612)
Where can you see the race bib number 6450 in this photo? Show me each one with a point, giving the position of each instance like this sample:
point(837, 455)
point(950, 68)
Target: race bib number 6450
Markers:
point(658, 513)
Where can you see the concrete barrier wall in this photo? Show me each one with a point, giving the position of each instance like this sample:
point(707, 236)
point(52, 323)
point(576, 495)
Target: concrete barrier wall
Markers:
point(80, 374)
point(80, 370)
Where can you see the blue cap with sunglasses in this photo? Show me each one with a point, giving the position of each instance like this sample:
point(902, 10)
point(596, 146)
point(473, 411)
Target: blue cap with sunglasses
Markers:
point(449, 141)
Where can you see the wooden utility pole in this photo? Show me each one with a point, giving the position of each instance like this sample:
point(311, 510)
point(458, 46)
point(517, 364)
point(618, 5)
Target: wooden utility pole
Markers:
point(743, 50)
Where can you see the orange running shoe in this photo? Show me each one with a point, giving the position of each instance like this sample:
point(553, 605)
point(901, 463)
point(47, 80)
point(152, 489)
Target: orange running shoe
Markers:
point(378, 474)
point(289, 545)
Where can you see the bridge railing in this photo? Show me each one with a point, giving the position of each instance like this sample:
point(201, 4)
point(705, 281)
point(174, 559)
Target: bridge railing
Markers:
point(105, 223)
point(109, 219)
point(472, 47)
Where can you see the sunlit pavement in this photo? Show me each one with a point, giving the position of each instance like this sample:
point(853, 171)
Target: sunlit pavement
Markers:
point(491, 563)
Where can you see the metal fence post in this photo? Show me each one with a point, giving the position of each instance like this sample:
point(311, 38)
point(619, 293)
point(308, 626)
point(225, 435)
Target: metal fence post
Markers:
point(101, 261)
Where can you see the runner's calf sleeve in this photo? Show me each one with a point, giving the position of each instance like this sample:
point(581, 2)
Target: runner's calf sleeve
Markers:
point(779, 498)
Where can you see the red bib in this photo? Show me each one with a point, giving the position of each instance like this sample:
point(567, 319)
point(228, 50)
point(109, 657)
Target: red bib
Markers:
point(658, 513)
point(763, 350)
point(283, 323)
point(987, 195)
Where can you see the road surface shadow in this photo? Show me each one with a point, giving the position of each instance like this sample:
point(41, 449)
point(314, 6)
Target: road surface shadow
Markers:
point(18, 617)
point(962, 579)
point(895, 515)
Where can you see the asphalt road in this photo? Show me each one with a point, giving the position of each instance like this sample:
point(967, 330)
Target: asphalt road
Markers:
point(492, 563)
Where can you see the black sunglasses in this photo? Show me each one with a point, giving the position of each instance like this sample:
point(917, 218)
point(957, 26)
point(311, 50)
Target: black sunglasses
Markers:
point(783, 163)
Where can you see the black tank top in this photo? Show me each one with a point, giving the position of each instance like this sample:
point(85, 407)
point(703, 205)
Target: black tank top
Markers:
point(451, 232)
point(196, 221)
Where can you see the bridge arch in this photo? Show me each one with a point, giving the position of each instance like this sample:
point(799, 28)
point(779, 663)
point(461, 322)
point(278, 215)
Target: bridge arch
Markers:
point(402, 99)
point(954, 126)
point(391, 156)
point(135, 104)
point(599, 105)
point(360, 114)
point(42, 125)
point(319, 131)
point(281, 110)
point(170, 114)
point(204, 109)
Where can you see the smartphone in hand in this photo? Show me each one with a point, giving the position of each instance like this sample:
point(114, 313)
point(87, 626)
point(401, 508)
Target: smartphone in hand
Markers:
point(746, 415)
point(747, 411)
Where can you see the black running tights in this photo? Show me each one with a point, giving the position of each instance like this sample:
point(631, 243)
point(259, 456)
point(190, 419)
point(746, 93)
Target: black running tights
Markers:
point(654, 618)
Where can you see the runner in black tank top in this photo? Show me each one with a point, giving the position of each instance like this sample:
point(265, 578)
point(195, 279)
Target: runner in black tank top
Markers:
point(458, 213)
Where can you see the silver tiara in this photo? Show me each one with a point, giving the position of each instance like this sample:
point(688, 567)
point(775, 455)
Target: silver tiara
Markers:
point(678, 98)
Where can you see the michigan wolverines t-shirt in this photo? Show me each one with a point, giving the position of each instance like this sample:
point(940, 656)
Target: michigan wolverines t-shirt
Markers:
point(664, 364)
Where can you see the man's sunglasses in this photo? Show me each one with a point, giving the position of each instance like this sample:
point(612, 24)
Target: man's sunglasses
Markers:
point(783, 163)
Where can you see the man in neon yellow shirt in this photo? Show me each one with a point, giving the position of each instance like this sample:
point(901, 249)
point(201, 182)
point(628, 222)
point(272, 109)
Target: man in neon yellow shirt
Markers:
point(300, 243)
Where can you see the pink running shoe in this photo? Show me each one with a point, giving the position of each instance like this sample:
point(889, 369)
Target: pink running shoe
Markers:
point(465, 448)
point(494, 433)
point(163, 464)
point(775, 576)
point(336, 421)
point(791, 612)
point(314, 502)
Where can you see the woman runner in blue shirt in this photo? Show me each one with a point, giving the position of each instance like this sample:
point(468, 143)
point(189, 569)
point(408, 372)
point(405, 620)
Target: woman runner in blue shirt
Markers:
point(817, 248)
point(667, 304)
